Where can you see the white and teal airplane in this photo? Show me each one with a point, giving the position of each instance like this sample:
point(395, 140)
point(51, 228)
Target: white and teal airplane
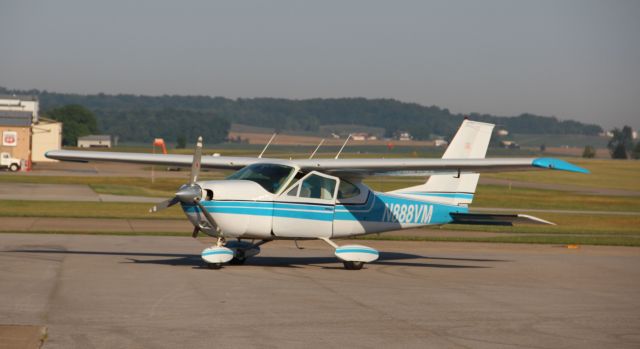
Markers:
point(270, 199)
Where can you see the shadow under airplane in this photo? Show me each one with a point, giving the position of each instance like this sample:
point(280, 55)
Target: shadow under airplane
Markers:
point(180, 259)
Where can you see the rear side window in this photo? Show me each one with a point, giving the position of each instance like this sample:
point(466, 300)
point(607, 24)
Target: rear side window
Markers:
point(347, 190)
point(318, 187)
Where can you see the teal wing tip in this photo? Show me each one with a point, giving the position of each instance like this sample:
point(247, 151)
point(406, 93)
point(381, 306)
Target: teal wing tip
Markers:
point(557, 164)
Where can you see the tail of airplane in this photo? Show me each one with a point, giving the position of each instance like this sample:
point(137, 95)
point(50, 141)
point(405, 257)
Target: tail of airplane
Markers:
point(470, 142)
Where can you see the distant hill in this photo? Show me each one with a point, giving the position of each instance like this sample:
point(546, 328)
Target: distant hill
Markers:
point(141, 118)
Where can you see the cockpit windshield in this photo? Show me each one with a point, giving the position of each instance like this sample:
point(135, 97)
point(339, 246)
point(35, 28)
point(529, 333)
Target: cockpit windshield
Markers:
point(270, 176)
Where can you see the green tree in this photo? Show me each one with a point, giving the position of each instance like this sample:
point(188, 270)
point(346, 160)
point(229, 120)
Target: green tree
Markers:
point(77, 121)
point(636, 151)
point(589, 152)
point(181, 142)
point(621, 141)
point(619, 152)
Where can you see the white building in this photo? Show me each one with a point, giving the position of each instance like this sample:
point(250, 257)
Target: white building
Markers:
point(440, 143)
point(359, 136)
point(25, 135)
point(21, 104)
point(45, 135)
point(404, 136)
point(94, 141)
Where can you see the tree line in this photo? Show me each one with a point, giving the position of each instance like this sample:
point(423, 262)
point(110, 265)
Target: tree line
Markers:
point(142, 118)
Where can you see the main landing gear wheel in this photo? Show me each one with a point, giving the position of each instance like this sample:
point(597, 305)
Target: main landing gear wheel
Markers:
point(237, 261)
point(239, 258)
point(353, 265)
point(353, 256)
point(214, 265)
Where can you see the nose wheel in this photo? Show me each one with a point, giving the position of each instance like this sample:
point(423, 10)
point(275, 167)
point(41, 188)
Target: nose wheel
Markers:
point(232, 252)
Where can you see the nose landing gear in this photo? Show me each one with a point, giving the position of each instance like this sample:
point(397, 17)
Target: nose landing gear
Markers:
point(232, 252)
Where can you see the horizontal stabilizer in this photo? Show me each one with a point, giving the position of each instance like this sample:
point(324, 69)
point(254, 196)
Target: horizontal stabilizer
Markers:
point(496, 219)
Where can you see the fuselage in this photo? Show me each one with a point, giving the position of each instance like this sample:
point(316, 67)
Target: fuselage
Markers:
point(244, 209)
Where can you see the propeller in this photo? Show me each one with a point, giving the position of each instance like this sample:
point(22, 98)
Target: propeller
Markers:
point(164, 204)
point(189, 193)
point(195, 165)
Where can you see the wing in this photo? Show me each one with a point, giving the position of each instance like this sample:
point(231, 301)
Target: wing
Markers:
point(338, 167)
point(216, 162)
point(412, 167)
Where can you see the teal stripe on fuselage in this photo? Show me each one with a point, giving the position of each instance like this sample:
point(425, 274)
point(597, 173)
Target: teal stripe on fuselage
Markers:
point(302, 211)
point(444, 195)
point(250, 211)
point(371, 211)
point(297, 206)
point(267, 204)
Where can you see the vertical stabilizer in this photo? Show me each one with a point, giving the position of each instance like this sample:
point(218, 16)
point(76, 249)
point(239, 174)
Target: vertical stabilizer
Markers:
point(470, 142)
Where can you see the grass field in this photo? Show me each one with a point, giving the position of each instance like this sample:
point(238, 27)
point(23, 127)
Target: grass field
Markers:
point(570, 228)
point(138, 186)
point(606, 174)
point(503, 197)
point(486, 195)
point(608, 229)
point(523, 239)
point(70, 209)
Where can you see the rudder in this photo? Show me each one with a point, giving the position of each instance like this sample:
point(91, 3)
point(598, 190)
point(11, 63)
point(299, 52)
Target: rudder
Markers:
point(470, 142)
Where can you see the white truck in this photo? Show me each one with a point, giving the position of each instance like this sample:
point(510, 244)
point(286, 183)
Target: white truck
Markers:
point(6, 161)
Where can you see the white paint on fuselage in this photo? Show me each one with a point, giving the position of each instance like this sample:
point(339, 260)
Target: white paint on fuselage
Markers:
point(244, 209)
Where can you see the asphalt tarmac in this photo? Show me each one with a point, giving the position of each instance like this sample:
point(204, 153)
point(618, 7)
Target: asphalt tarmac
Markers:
point(153, 292)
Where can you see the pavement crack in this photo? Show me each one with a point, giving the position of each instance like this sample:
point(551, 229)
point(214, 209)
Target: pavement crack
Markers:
point(53, 293)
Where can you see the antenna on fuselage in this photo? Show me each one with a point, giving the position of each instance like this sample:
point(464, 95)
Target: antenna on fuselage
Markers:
point(343, 145)
point(267, 146)
point(318, 147)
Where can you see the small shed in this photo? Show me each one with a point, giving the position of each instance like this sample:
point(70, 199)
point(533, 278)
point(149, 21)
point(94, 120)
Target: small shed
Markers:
point(94, 141)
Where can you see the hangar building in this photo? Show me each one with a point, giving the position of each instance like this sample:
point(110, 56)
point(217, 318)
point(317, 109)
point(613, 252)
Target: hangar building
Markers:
point(95, 141)
point(25, 135)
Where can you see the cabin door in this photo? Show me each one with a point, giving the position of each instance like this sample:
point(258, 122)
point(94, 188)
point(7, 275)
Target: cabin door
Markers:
point(306, 209)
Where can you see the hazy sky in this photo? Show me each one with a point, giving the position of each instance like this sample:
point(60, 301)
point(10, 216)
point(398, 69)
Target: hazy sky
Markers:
point(572, 59)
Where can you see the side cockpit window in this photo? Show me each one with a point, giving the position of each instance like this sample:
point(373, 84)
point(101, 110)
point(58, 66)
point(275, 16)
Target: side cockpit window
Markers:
point(347, 190)
point(293, 191)
point(314, 186)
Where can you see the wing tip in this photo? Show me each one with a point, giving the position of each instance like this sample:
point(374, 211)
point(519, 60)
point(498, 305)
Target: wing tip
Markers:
point(557, 164)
